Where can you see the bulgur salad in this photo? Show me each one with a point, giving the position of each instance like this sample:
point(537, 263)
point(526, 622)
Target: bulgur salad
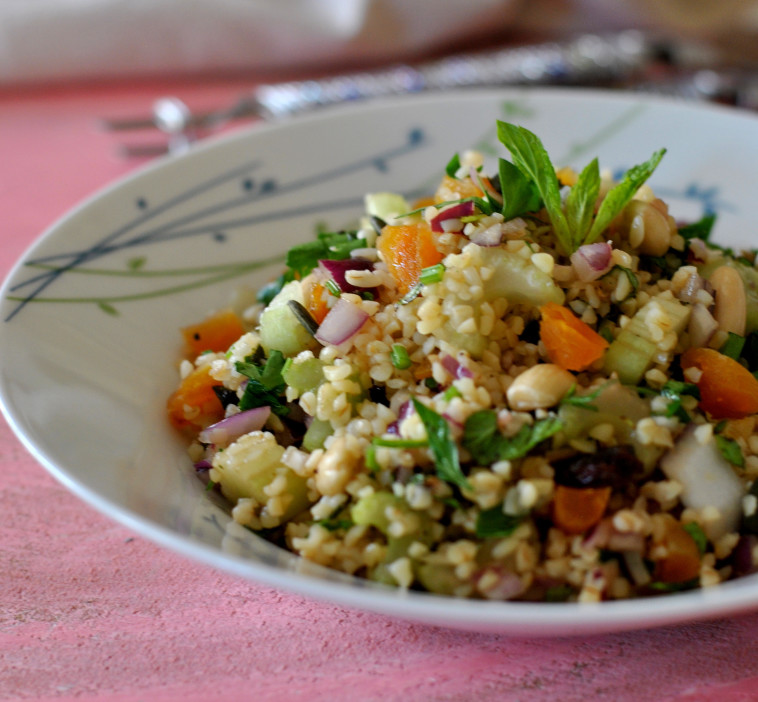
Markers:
point(535, 385)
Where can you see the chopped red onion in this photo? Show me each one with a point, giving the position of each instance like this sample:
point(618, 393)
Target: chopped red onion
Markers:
point(456, 369)
point(453, 214)
point(341, 323)
point(231, 428)
point(507, 586)
point(337, 270)
point(592, 261)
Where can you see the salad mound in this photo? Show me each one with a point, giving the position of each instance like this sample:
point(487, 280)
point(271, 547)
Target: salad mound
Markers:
point(535, 385)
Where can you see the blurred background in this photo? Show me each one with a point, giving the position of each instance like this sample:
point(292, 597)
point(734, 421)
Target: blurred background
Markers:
point(73, 40)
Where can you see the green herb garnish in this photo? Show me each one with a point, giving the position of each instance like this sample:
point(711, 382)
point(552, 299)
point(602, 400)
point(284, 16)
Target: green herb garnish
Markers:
point(399, 357)
point(519, 193)
point(583, 401)
point(453, 165)
point(302, 259)
point(733, 346)
point(575, 226)
point(432, 274)
point(483, 439)
point(265, 385)
point(730, 450)
point(444, 448)
point(399, 443)
point(674, 391)
point(698, 535)
point(495, 524)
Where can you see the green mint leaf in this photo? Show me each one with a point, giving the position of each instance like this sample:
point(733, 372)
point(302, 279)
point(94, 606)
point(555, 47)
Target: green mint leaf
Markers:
point(581, 199)
point(699, 230)
point(519, 193)
point(302, 259)
point(730, 450)
point(583, 401)
point(621, 194)
point(335, 524)
point(453, 165)
point(495, 524)
point(530, 156)
point(444, 448)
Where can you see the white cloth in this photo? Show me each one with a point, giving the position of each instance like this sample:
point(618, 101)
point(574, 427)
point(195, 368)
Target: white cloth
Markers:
point(50, 40)
point(81, 39)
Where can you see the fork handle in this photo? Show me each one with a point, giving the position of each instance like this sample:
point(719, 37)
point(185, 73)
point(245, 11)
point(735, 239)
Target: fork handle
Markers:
point(586, 60)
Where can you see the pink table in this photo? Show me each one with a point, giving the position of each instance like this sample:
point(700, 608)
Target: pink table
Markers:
point(91, 611)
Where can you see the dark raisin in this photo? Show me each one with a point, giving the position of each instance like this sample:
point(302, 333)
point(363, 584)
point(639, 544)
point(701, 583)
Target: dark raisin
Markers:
point(531, 333)
point(225, 396)
point(614, 466)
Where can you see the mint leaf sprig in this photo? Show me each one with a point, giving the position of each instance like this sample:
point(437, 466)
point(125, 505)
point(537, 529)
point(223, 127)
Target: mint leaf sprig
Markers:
point(575, 225)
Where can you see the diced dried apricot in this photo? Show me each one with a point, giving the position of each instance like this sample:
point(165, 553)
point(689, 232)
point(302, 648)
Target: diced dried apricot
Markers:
point(194, 403)
point(317, 302)
point(728, 390)
point(216, 333)
point(406, 249)
point(682, 560)
point(577, 509)
point(569, 342)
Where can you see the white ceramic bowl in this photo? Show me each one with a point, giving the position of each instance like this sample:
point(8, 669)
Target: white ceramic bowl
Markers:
point(89, 317)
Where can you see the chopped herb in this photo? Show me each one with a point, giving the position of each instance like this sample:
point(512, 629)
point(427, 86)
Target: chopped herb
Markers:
point(333, 288)
point(584, 401)
point(432, 274)
point(371, 462)
point(674, 587)
point(302, 259)
point(209, 486)
point(487, 445)
point(698, 535)
point(399, 443)
point(451, 393)
point(417, 479)
point(303, 316)
point(367, 295)
point(674, 390)
point(451, 502)
point(698, 230)
point(633, 280)
point(495, 524)
point(733, 346)
point(432, 384)
point(335, 524)
point(265, 385)
point(442, 445)
point(453, 165)
point(730, 450)
point(399, 357)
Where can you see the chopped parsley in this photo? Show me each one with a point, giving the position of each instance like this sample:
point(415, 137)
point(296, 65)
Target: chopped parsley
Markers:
point(495, 524)
point(730, 450)
point(698, 535)
point(442, 445)
point(265, 385)
point(487, 445)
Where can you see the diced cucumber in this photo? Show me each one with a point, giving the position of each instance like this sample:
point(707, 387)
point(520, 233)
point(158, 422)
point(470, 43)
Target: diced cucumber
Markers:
point(304, 375)
point(280, 329)
point(438, 578)
point(386, 206)
point(632, 352)
point(370, 510)
point(518, 280)
point(317, 433)
point(250, 464)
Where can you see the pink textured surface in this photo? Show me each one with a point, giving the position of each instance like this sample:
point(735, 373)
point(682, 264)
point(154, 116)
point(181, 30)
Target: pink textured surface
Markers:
point(89, 611)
